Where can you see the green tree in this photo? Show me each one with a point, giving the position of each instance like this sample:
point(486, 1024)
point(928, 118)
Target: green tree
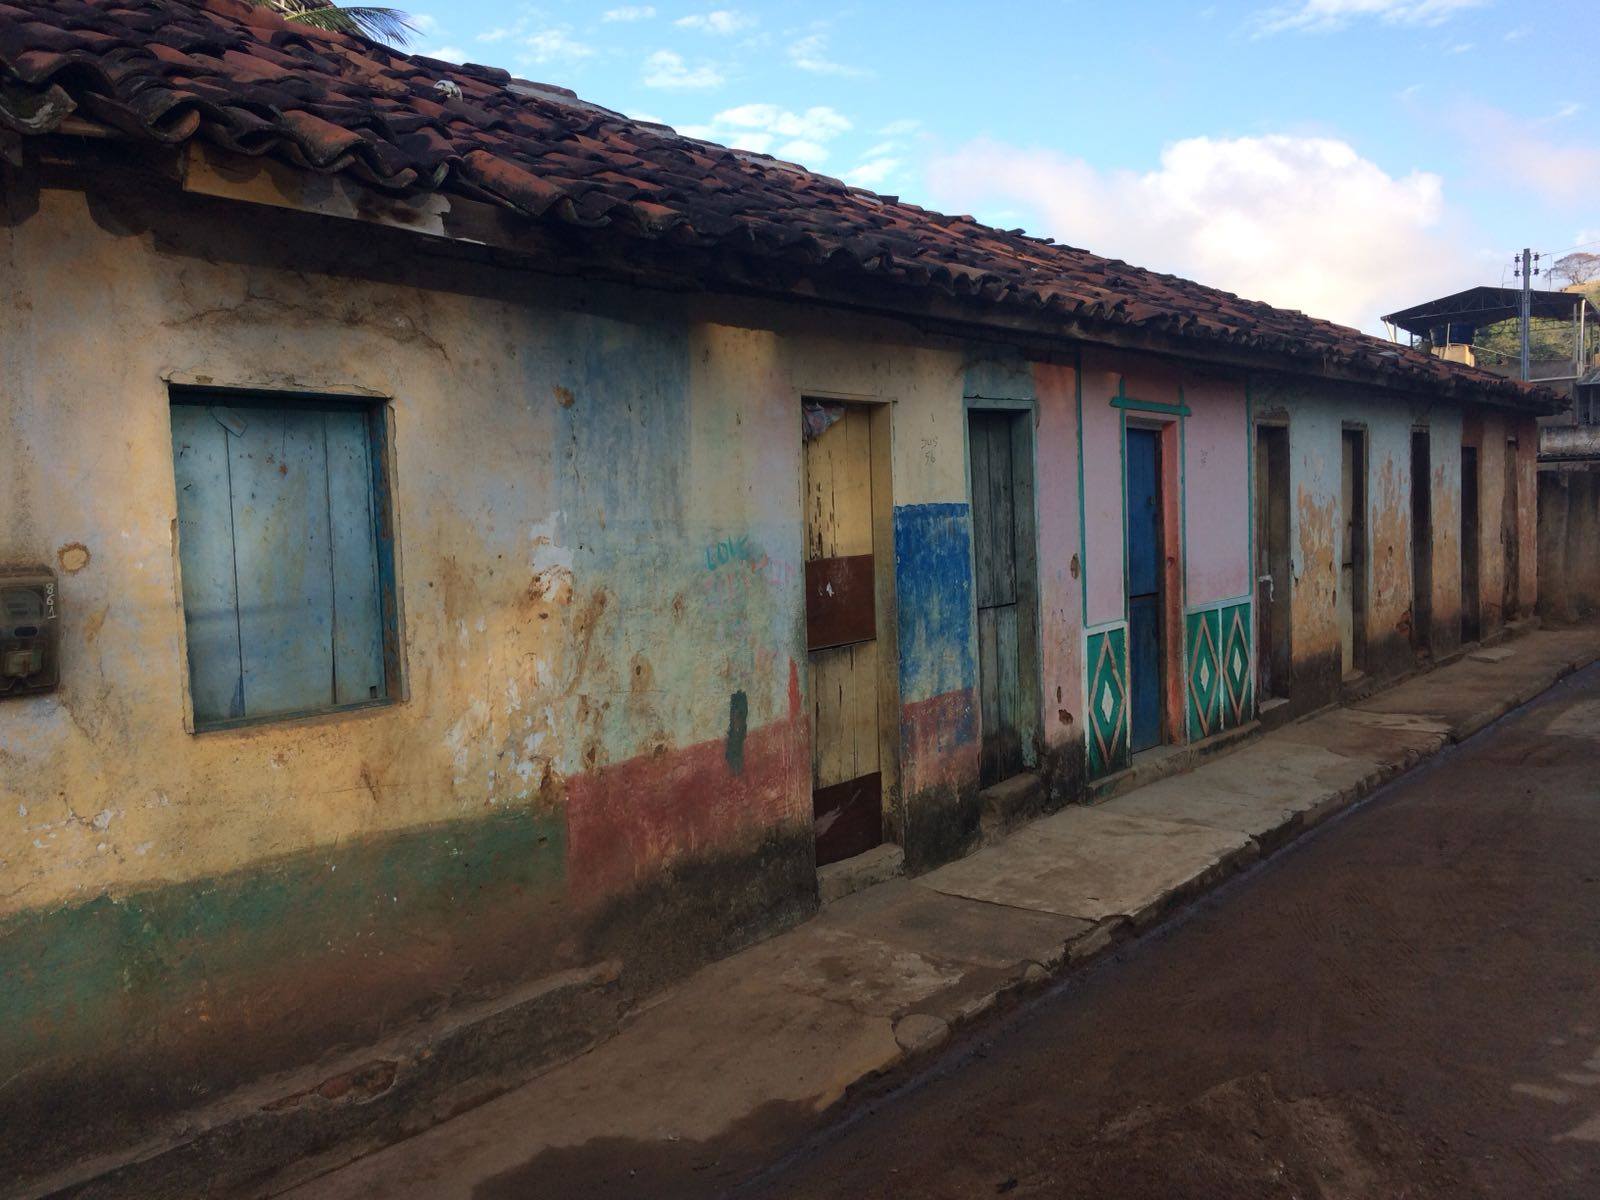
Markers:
point(388, 25)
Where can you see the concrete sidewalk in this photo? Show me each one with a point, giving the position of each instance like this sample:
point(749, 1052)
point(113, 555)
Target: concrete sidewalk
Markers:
point(748, 1053)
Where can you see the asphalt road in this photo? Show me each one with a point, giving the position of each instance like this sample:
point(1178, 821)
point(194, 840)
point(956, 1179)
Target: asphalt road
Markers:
point(1407, 1004)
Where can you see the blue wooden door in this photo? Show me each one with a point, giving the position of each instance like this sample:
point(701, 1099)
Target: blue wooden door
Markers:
point(1144, 586)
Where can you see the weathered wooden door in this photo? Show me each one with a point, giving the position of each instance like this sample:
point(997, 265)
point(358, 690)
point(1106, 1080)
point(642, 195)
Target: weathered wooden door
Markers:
point(1273, 625)
point(1510, 544)
point(842, 634)
point(1471, 595)
point(1144, 586)
point(1352, 560)
point(1001, 450)
point(1421, 542)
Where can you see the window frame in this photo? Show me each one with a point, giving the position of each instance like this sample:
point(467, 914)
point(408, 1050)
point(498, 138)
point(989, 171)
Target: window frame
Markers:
point(377, 412)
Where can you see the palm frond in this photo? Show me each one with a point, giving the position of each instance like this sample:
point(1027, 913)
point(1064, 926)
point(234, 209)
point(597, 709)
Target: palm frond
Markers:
point(388, 25)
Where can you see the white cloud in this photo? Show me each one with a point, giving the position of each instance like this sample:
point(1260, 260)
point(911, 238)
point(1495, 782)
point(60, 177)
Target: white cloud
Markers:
point(810, 53)
point(1327, 16)
point(425, 23)
point(1515, 152)
point(874, 173)
point(555, 45)
point(901, 127)
point(1409, 92)
point(1300, 222)
point(1459, 48)
point(1570, 108)
point(453, 54)
point(629, 12)
point(667, 69)
point(722, 22)
point(767, 129)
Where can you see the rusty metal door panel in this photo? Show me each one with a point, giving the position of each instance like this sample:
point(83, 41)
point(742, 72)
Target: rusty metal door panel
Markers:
point(840, 603)
point(848, 818)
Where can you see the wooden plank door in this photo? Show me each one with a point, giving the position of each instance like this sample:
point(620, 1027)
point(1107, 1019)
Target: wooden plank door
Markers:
point(1509, 543)
point(1001, 450)
point(1471, 595)
point(1145, 680)
point(995, 580)
point(1353, 551)
point(842, 636)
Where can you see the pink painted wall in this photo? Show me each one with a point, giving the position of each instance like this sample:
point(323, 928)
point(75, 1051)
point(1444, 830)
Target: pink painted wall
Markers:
point(1102, 493)
point(1060, 594)
point(1217, 459)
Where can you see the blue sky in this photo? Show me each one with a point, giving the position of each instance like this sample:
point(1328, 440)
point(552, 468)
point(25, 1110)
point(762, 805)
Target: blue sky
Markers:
point(1344, 157)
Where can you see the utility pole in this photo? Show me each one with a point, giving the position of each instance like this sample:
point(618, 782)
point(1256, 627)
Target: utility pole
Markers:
point(1526, 270)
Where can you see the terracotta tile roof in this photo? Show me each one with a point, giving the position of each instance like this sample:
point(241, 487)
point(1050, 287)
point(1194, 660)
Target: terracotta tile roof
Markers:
point(172, 70)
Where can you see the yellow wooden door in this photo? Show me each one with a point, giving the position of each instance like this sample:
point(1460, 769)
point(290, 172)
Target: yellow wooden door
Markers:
point(846, 771)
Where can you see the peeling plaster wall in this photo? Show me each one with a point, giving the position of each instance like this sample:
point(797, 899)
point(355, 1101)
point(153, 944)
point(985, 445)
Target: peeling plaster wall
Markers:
point(1060, 593)
point(1317, 414)
point(1103, 487)
point(1217, 466)
point(559, 782)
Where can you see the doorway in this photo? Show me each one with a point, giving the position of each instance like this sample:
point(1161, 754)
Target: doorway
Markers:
point(1146, 676)
point(1471, 616)
point(1353, 555)
point(1509, 541)
point(848, 551)
point(1274, 657)
point(1421, 544)
point(1005, 577)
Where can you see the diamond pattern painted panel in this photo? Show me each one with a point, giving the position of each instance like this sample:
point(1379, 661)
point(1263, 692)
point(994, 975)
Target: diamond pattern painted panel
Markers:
point(1108, 702)
point(1205, 675)
point(1238, 702)
point(1220, 679)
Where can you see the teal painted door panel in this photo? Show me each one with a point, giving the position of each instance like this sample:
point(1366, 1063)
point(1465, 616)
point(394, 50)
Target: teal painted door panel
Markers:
point(1144, 586)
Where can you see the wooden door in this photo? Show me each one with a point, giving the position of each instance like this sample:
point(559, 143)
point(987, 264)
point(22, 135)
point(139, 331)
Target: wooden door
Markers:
point(1421, 542)
point(1145, 681)
point(1352, 555)
point(1471, 596)
point(842, 634)
point(1509, 543)
point(1000, 446)
point(1273, 624)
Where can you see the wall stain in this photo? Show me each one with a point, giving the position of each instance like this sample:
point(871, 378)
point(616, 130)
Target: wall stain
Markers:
point(738, 723)
point(73, 557)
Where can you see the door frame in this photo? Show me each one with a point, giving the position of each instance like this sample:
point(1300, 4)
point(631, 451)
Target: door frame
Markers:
point(1422, 641)
point(881, 418)
point(1170, 473)
point(1260, 497)
point(1032, 671)
point(1360, 550)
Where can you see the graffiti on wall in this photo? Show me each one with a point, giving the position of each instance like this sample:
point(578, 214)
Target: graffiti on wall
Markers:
point(740, 586)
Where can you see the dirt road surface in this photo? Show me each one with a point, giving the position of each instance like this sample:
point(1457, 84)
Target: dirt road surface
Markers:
point(1406, 1005)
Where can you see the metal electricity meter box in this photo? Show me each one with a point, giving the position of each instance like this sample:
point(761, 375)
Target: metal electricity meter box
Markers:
point(30, 624)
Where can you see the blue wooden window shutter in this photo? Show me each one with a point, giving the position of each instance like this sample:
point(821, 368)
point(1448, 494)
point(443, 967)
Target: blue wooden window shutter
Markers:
point(278, 537)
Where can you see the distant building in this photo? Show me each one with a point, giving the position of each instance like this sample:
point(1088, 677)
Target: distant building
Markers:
point(1449, 328)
